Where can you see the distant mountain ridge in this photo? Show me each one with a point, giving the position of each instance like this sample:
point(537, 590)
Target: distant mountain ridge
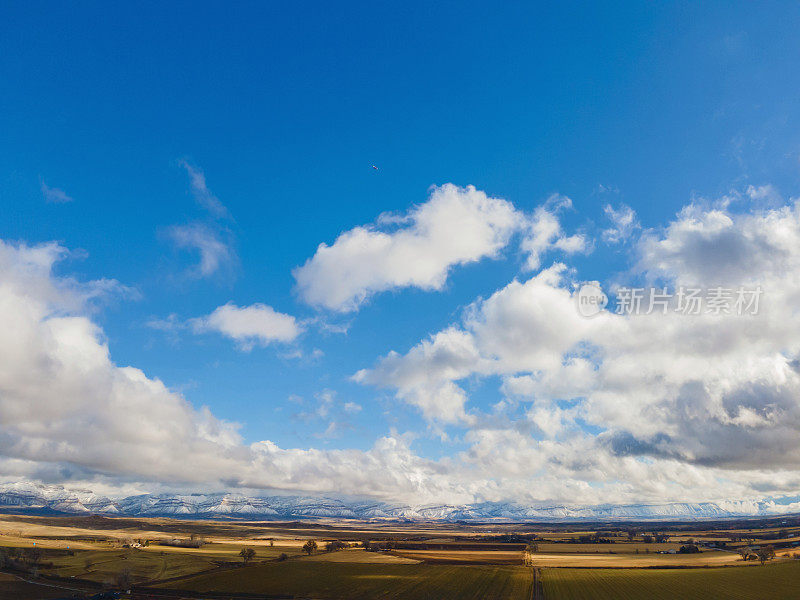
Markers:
point(35, 497)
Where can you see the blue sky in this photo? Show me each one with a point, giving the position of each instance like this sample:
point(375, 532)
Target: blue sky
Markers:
point(107, 111)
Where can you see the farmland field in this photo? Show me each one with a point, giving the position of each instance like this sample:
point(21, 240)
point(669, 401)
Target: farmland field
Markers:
point(51, 556)
point(477, 557)
point(616, 548)
point(13, 587)
point(155, 562)
point(572, 559)
point(356, 555)
point(779, 581)
point(322, 579)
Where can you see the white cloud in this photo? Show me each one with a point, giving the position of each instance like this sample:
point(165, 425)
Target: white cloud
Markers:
point(613, 408)
point(211, 240)
point(623, 223)
point(424, 377)
point(766, 196)
point(455, 226)
point(69, 413)
point(54, 195)
point(544, 233)
point(203, 195)
point(215, 254)
point(62, 400)
point(694, 407)
point(250, 325)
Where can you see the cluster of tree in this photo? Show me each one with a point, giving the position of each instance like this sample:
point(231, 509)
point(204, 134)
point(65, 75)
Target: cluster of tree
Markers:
point(335, 545)
point(21, 559)
point(183, 543)
point(594, 538)
point(310, 547)
point(762, 554)
point(688, 549)
point(377, 546)
point(513, 538)
point(658, 538)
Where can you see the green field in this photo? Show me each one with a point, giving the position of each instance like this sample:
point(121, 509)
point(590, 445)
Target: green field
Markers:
point(780, 581)
point(318, 579)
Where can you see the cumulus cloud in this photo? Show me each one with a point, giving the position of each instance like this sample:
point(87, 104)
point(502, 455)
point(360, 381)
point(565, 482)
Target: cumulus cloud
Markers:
point(711, 399)
point(68, 412)
point(250, 325)
point(455, 226)
point(424, 377)
point(615, 408)
point(62, 400)
point(54, 194)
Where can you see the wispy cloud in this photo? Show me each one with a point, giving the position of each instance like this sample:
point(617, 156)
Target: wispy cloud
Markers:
point(208, 237)
point(54, 194)
point(623, 223)
point(215, 253)
point(203, 195)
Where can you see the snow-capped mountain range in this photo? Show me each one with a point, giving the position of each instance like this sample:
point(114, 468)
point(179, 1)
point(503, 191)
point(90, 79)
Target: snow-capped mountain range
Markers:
point(34, 497)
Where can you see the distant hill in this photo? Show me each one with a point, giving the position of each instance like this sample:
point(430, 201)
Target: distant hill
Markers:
point(45, 499)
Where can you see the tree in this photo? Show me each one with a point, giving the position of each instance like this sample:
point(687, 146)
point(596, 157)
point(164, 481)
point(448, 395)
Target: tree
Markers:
point(123, 579)
point(247, 554)
point(310, 547)
point(745, 552)
point(532, 547)
point(35, 555)
point(765, 553)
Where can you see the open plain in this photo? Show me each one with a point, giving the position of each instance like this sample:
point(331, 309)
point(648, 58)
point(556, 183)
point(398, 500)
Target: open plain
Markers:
point(80, 556)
